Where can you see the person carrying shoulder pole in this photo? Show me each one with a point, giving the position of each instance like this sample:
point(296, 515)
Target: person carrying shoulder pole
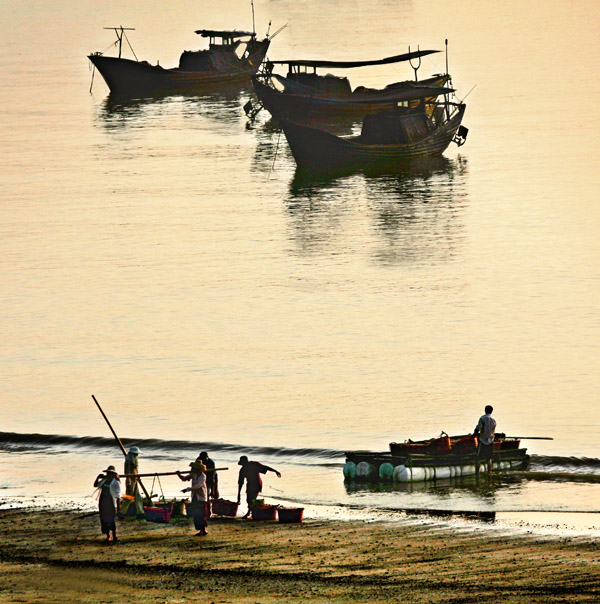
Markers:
point(131, 484)
point(199, 505)
point(485, 432)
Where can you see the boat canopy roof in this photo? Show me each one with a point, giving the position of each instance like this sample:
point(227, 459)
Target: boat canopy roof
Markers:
point(409, 91)
point(226, 34)
point(407, 56)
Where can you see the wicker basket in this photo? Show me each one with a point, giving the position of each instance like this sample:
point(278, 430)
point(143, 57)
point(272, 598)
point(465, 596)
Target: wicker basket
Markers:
point(161, 512)
point(223, 507)
point(290, 514)
point(264, 512)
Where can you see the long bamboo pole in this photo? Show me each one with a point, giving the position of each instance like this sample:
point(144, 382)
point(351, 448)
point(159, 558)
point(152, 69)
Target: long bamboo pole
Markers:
point(120, 444)
point(169, 473)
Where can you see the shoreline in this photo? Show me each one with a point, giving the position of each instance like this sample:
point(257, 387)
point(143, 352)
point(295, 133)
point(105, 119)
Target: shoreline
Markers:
point(574, 523)
point(58, 556)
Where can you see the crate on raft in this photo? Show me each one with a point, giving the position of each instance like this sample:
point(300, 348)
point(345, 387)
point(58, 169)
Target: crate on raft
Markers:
point(290, 514)
point(264, 512)
point(159, 512)
point(224, 507)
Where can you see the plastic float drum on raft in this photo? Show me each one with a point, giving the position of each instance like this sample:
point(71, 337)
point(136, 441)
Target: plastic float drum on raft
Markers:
point(402, 474)
point(364, 470)
point(443, 472)
point(418, 474)
point(350, 470)
point(386, 471)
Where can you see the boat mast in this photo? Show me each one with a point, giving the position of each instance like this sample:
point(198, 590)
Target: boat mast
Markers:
point(120, 31)
point(446, 97)
point(253, 23)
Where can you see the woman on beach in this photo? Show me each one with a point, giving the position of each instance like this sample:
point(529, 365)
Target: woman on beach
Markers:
point(199, 506)
point(109, 502)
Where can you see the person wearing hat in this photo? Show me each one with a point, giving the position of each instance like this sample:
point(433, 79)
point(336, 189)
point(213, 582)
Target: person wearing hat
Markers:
point(132, 488)
point(250, 473)
point(109, 502)
point(199, 506)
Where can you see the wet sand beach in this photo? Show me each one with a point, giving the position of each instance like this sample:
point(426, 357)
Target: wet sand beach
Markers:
point(59, 556)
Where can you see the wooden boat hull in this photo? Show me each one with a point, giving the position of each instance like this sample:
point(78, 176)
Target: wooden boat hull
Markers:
point(319, 150)
point(126, 77)
point(299, 106)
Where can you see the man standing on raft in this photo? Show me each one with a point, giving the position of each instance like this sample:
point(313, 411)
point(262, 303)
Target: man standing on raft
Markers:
point(485, 432)
point(250, 472)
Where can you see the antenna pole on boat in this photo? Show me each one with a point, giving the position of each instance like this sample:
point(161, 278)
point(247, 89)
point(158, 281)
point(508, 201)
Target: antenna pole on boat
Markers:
point(119, 440)
point(446, 56)
point(418, 64)
point(120, 31)
point(446, 98)
point(253, 23)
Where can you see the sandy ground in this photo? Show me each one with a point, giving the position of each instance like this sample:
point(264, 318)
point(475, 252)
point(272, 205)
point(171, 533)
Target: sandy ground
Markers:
point(52, 556)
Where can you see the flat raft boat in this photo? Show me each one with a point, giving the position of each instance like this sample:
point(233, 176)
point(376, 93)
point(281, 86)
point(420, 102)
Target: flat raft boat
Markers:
point(436, 458)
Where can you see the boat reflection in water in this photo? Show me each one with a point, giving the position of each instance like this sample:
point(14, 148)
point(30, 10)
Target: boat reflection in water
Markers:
point(224, 103)
point(415, 215)
point(468, 498)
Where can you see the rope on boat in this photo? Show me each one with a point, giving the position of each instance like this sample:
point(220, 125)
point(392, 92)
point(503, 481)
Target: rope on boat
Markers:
point(93, 72)
point(275, 156)
point(130, 47)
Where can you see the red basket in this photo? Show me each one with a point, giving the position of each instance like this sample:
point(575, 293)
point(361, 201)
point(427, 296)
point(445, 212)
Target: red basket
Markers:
point(264, 512)
point(159, 513)
point(290, 514)
point(223, 507)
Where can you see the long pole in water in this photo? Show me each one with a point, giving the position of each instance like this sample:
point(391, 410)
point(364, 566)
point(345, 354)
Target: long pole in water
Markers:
point(530, 437)
point(119, 442)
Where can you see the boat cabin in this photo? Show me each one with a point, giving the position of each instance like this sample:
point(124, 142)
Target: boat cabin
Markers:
point(221, 51)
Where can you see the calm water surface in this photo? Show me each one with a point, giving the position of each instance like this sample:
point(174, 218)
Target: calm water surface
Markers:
point(164, 256)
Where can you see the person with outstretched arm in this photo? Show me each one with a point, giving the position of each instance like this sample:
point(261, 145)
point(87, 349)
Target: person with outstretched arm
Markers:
point(250, 473)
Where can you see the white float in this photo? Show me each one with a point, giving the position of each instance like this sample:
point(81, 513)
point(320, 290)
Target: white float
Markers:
point(467, 470)
point(402, 474)
point(364, 470)
point(418, 474)
point(444, 472)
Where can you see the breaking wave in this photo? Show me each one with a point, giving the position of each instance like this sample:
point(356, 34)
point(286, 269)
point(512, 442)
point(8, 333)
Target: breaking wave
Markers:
point(164, 449)
point(38, 443)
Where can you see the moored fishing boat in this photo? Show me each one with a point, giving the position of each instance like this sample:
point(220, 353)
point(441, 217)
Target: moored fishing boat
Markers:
point(303, 93)
point(419, 126)
point(433, 459)
point(232, 57)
